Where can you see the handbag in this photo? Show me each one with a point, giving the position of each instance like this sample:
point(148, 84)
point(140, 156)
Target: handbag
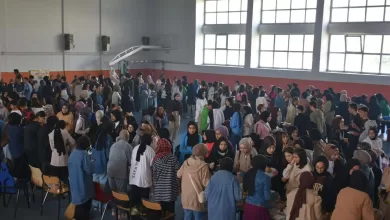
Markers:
point(201, 198)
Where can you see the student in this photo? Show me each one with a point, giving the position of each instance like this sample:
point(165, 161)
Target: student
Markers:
point(191, 139)
point(258, 185)
point(353, 202)
point(292, 173)
point(243, 158)
point(323, 182)
point(195, 176)
point(80, 178)
point(61, 143)
point(223, 192)
point(303, 203)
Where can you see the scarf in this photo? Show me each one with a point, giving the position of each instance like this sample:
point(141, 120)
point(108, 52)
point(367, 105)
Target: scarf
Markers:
point(306, 181)
point(163, 149)
point(192, 139)
point(223, 130)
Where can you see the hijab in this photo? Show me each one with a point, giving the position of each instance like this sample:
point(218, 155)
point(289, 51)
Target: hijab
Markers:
point(163, 149)
point(219, 151)
point(324, 160)
point(306, 181)
point(146, 140)
point(210, 136)
point(123, 135)
point(223, 130)
point(363, 157)
point(192, 139)
point(199, 151)
point(84, 114)
point(358, 181)
point(258, 163)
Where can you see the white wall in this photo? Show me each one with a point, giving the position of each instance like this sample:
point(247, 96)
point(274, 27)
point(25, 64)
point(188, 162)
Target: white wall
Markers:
point(30, 32)
point(177, 18)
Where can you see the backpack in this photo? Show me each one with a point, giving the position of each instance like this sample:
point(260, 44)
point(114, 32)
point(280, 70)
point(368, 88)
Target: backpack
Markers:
point(6, 179)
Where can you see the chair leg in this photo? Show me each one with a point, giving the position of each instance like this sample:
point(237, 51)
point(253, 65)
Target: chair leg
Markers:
point(128, 216)
point(32, 193)
point(116, 213)
point(59, 207)
point(9, 199)
point(43, 201)
point(104, 211)
point(27, 196)
point(17, 202)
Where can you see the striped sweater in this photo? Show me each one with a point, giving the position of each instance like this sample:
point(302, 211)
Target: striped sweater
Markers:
point(166, 184)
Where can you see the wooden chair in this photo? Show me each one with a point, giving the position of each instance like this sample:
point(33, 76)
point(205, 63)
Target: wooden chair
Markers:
point(102, 197)
point(156, 208)
point(52, 184)
point(121, 199)
point(36, 180)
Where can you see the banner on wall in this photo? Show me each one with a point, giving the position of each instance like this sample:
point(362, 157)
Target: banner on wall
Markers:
point(39, 74)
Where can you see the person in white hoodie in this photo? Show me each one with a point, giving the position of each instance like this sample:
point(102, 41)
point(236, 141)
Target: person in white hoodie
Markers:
point(376, 144)
point(293, 170)
point(201, 102)
point(218, 117)
point(261, 100)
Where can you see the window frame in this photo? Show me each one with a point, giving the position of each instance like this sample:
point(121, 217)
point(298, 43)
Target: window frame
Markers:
point(224, 49)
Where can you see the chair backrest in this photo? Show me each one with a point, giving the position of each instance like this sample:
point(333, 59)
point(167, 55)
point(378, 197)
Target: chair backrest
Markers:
point(151, 205)
point(100, 195)
point(120, 196)
point(36, 176)
point(7, 182)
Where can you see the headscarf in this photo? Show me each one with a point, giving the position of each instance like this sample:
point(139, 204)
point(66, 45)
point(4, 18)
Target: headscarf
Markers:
point(192, 139)
point(330, 150)
point(374, 157)
point(306, 181)
point(99, 115)
point(123, 135)
point(117, 114)
point(343, 92)
point(210, 136)
point(163, 149)
point(223, 130)
point(48, 110)
point(219, 151)
point(247, 143)
point(200, 151)
point(258, 163)
point(358, 181)
point(363, 157)
point(84, 94)
point(324, 160)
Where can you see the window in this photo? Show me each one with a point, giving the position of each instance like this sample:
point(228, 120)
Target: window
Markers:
point(226, 11)
point(286, 51)
point(359, 54)
point(360, 10)
point(288, 11)
point(227, 49)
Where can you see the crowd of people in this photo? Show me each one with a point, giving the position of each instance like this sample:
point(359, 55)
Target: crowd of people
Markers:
point(247, 152)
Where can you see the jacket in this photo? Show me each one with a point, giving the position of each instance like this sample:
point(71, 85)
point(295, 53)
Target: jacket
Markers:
point(353, 204)
point(248, 125)
point(186, 150)
point(301, 121)
point(309, 211)
point(292, 173)
point(200, 175)
point(200, 103)
point(291, 113)
point(101, 157)
point(384, 204)
point(222, 193)
point(317, 116)
point(236, 124)
point(262, 129)
point(15, 140)
point(69, 120)
point(56, 159)
point(31, 143)
point(328, 112)
point(385, 109)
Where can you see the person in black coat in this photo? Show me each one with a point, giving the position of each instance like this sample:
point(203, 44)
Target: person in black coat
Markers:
point(323, 182)
point(127, 102)
point(31, 139)
point(342, 109)
point(222, 148)
point(374, 109)
point(44, 150)
point(301, 121)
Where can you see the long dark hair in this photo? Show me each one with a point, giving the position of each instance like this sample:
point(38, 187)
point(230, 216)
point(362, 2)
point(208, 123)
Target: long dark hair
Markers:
point(146, 140)
point(106, 128)
point(59, 143)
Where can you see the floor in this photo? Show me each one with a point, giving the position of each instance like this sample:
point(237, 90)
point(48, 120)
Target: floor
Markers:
point(50, 208)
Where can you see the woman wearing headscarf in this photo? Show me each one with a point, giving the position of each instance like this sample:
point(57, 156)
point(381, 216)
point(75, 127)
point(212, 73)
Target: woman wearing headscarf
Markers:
point(144, 94)
point(365, 159)
point(201, 102)
point(83, 124)
point(242, 160)
point(258, 185)
point(248, 122)
point(385, 110)
point(292, 173)
point(323, 183)
point(262, 127)
point(329, 112)
point(221, 149)
point(44, 148)
point(140, 170)
point(209, 139)
point(132, 128)
point(174, 110)
point(166, 184)
point(303, 203)
point(66, 116)
point(191, 139)
point(117, 119)
point(223, 192)
point(118, 165)
point(101, 151)
point(342, 108)
point(194, 175)
point(353, 202)
point(61, 144)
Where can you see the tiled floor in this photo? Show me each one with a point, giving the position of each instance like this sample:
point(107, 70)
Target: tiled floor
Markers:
point(50, 208)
